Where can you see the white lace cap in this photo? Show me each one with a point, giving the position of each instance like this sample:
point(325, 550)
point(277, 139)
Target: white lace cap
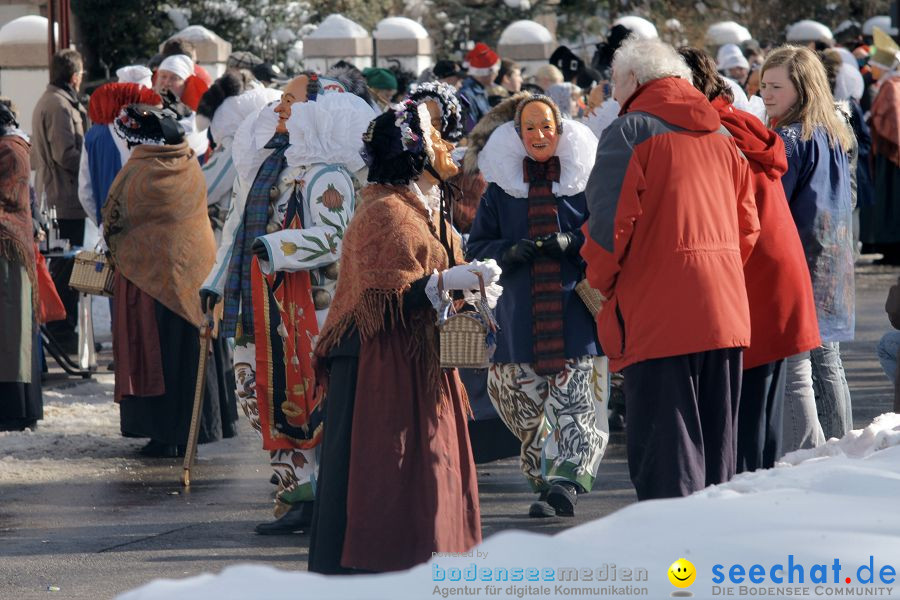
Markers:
point(248, 148)
point(232, 112)
point(501, 160)
point(328, 130)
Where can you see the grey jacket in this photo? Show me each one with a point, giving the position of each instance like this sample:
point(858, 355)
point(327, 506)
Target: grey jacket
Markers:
point(57, 136)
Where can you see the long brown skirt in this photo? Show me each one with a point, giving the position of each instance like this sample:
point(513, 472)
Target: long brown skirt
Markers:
point(396, 478)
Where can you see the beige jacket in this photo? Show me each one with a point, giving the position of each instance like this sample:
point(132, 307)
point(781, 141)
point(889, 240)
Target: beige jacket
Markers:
point(57, 136)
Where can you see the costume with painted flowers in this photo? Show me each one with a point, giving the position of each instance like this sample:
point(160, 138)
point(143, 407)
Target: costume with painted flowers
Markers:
point(294, 194)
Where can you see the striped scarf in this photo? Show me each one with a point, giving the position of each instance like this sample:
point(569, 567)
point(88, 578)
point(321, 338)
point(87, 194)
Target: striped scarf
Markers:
point(546, 278)
point(238, 288)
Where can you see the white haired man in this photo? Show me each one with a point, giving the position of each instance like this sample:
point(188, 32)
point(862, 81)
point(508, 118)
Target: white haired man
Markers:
point(672, 218)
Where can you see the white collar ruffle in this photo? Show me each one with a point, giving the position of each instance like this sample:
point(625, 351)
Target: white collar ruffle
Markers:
point(329, 131)
point(248, 149)
point(501, 159)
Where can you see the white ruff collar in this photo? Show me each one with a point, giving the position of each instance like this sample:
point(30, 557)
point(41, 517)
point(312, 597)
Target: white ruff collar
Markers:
point(249, 151)
point(502, 157)
point(329, 131)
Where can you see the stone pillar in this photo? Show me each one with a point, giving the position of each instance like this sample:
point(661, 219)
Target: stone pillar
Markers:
point(405, 41)
point(24, 72)
point(212, 51)
point(528, 43)
point(337, 38)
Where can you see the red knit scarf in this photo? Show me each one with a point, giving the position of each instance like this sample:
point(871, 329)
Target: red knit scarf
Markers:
point(546, 278)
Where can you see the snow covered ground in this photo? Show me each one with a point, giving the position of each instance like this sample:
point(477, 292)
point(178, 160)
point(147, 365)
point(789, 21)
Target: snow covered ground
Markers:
point(822, 524)
point(79, 437)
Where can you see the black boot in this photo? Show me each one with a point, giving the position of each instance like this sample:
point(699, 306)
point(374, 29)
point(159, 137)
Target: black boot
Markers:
point(155, 449)
point(563, 497)
point(540, 509)
point(298, 518)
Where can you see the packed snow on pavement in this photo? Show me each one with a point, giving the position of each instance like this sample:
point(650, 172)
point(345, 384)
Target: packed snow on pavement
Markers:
point(78, 437)
point(830, 513)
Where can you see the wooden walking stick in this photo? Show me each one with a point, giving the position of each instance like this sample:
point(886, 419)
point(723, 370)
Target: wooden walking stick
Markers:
point(199, 389)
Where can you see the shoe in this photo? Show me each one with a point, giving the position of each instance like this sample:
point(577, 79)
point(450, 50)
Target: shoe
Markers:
point(298, 518)
point(541, 510)
point(563, 497)
point(274, 479)
point(154, 449)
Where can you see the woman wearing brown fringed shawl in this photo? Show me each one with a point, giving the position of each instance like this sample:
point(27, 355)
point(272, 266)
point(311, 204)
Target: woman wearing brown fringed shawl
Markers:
point(21, 405)
point(396, 476)
point(161, 242)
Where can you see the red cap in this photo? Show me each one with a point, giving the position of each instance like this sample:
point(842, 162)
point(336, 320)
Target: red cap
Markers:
point(481, 60)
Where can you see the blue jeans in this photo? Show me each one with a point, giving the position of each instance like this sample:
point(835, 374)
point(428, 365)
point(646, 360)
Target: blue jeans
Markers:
point(800, 427)
point(888, 348)
point(832, 393)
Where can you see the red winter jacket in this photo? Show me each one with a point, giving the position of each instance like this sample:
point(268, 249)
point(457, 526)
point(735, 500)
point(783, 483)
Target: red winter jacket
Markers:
point(782, 309)
point(672, 218)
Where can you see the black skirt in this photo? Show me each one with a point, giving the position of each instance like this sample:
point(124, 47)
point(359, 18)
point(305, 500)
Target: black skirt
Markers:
point(167, 418)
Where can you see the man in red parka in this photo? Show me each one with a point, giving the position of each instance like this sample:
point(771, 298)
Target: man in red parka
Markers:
point(672, 220)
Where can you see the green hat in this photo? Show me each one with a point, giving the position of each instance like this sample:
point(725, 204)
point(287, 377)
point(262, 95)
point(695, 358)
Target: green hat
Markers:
point(380, 79)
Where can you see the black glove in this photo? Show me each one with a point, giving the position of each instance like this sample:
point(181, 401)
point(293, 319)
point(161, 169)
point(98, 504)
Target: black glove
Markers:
point(171, 101)
point(557, 245)
point(522, 252)
point(208, 300)
point(260, 250)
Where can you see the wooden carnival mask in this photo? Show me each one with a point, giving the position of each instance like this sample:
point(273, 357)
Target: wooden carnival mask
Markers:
point(539, 131)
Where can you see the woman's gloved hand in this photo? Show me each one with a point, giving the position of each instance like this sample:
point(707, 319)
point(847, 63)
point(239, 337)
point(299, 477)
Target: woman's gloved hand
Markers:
point(465, 277)
point(556, 245)
point(522, 252)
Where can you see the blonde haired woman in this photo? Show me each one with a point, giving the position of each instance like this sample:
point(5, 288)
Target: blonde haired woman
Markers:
point(818, 142)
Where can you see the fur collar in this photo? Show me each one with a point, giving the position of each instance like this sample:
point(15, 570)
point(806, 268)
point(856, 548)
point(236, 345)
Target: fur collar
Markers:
point(501, 160)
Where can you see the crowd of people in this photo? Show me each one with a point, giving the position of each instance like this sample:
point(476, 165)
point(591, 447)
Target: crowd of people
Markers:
point(683, 221)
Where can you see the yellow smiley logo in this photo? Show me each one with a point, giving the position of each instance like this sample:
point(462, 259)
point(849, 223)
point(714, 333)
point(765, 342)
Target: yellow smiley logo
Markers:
point(682, 573)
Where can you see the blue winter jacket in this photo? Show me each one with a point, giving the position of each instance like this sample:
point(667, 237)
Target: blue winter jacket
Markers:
point(501, 221)
point(475, 98)
point(104, 162)
point(817, 187)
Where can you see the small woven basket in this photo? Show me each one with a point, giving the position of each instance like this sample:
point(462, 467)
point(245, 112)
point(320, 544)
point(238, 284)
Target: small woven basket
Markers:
point(92, 274)
point(592, 298)
point(464, 336)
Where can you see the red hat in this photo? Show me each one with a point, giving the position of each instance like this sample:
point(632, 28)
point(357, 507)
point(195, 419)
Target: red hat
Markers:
point(108, 100)
point(481, 60)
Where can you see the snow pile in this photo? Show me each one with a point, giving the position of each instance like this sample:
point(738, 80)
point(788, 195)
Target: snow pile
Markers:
point(78, 437)
point(639, 26)
point(808, 31)
point(882, 22)
point(338, 27)
point(31, 29)
point(525, 32)
point(399, 28)
point(726, 32)
point(837, 504)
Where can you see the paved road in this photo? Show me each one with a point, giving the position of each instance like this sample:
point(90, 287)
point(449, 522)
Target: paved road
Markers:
point(95, 537)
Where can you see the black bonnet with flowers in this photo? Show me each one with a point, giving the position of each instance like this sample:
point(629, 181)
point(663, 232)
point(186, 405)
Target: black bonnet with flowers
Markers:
point(144, 124)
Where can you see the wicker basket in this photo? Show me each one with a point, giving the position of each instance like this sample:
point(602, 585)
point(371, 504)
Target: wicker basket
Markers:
point(592, 298)
point(92, 274)
point(464, 336)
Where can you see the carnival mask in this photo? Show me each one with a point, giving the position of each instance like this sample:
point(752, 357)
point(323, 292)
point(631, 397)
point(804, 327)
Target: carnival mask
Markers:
point(539, 131)
point(443, 156)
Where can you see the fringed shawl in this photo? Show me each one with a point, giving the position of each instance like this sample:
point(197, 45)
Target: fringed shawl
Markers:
point(390, 243)
point(16, 229)
point(157, 227)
